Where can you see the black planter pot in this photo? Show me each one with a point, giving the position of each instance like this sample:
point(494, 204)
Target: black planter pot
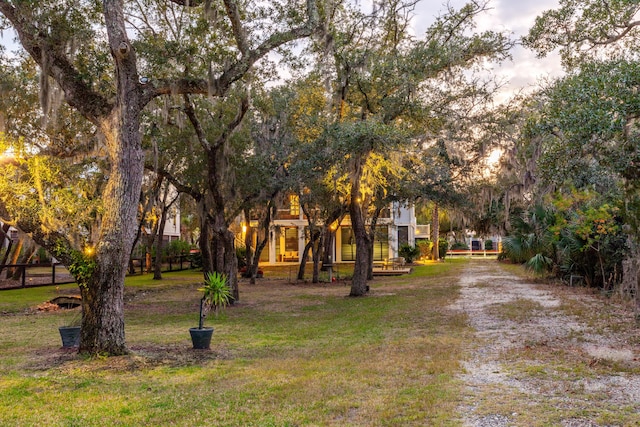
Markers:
point(70, 336)
point(201, 338)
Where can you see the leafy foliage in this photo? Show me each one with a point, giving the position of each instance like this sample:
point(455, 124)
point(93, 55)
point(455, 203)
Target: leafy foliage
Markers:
point(576, 234)
point(531, 235)
point(587, 29)
point(409, 252)
point(217, 295)
point(539, 264)
point(177, 247)
point(459, 245)
point(590, 238)
point(443, 247)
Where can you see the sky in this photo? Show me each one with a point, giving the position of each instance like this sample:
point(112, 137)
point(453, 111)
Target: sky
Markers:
point(525, 70)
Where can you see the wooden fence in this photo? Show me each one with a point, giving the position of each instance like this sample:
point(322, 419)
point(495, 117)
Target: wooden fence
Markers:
point(32, 275)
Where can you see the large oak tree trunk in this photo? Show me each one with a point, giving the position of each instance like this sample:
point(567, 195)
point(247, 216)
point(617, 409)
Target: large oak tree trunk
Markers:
point(317, 255)
point(303, 260)
point(15, 256)
point(25, 258)
point(372, 237)
point(4, 236)
point(103, 294)
point(157, 269)
point(230, 268)
point(361, 269)
point(266, 224)
point(254, 267)
point(330, 237)
point(225, 259)
point(435, 233)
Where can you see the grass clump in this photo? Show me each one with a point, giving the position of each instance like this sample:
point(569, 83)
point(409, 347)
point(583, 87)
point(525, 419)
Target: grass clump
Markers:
point(518, 310)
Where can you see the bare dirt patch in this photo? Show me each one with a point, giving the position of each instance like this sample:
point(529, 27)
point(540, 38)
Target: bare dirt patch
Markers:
point(546, 354)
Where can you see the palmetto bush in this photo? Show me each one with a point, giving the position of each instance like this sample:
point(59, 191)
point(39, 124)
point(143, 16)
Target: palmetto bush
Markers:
point(532, 241)
point(584, 238)
point(599, 261)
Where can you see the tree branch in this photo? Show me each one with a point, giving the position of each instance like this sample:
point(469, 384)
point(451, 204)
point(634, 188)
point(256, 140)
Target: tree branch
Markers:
point(244, 107)
point(189, 3)
point(56, 243)
point(612, 38)
point(219, 86)
point(195, 122)
point(236, 24)
point(78, 94)
point(180, 187)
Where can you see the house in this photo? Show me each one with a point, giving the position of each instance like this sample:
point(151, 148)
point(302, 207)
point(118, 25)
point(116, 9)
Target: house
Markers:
point(287, 238)
point(172, 227)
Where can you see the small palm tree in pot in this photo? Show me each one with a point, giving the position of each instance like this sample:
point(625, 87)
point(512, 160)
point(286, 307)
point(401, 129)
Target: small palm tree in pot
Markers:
point(216, 296)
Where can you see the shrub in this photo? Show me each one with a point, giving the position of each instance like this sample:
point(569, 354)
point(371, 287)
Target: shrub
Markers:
point(177, 247)
point(425, 246)
point(488, 244)
point(196, 259)
point(409, 252)
point(241, 254)
point(459, 246)
point(443, 247)
point(539, 264)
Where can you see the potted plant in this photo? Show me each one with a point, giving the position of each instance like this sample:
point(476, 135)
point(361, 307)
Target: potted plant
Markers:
point(70, 332)
point(216, 296)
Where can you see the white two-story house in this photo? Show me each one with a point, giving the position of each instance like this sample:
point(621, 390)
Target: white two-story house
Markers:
point(287, 238)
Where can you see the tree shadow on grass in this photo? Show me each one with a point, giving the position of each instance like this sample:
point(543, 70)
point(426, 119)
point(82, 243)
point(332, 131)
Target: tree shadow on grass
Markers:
point(140, 358)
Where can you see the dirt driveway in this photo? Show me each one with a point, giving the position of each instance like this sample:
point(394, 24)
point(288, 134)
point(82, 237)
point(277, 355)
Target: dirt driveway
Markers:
point(546, 354)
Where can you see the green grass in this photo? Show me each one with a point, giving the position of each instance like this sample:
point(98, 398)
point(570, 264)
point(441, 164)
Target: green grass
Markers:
point(286, 354)
point(294, 353)
point(17, 300)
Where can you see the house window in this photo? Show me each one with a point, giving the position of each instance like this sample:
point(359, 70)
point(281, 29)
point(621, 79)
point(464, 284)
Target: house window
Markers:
point(294, 205)
point(380, 244)
point(348, 247)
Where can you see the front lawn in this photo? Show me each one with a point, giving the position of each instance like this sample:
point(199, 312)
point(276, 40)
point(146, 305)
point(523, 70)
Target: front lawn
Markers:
point(286, 354)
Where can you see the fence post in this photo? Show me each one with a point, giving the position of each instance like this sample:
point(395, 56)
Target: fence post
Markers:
point(24, 275)
point(53, 273)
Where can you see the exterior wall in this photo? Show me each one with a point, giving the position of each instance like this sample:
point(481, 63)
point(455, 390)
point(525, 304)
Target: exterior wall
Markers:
point(403, 227)
point(172, 226)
